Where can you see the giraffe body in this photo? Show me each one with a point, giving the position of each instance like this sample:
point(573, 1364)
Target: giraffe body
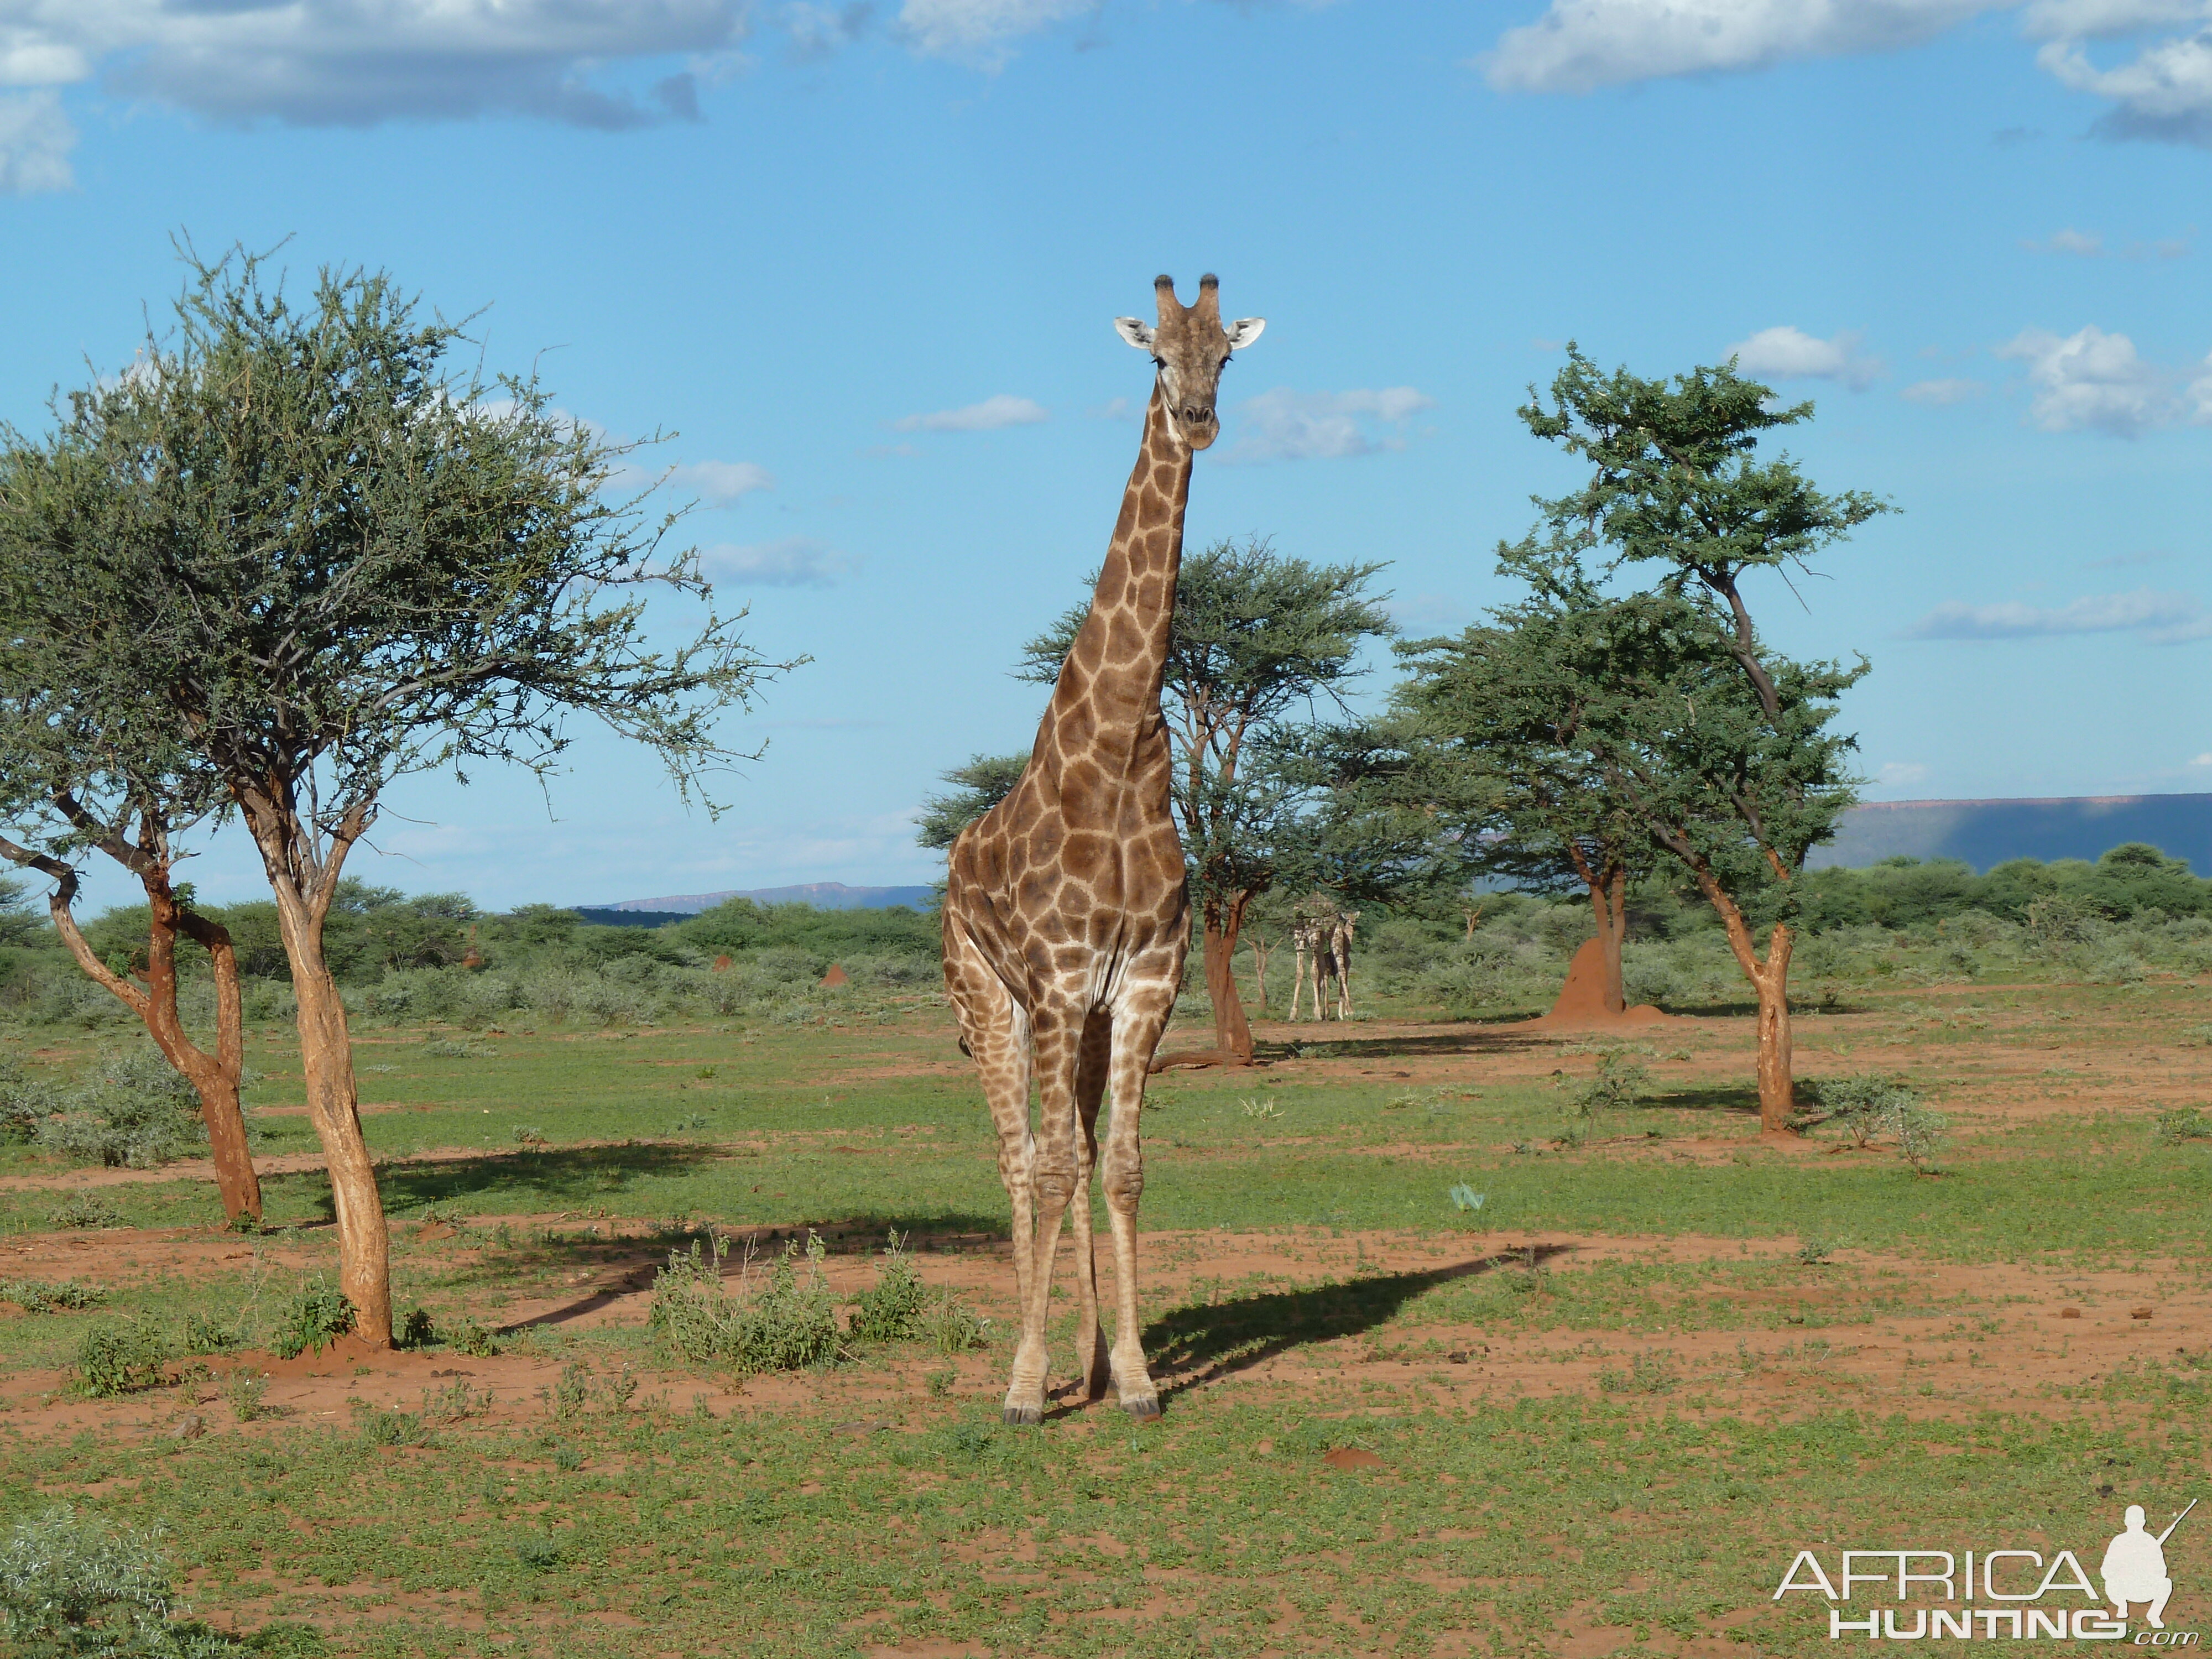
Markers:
point(1066, 917)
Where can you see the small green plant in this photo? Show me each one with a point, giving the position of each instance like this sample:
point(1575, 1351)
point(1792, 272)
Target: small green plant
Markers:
point(2201, 1035)
point(940, 1383)
point(1918, 1132)
point(534, 1138)
point(449, 1048)
point(316, 1317)
point(1465, 1198)
point(121, 1356)
point(573, 1392)
point(1647, 1373)
point(950, 1327)
point(50, 1296)
point(453, 1402)
point(203, 1336)
point(381, 1427)
point(787, 1323)
point(567, 1458)
point(1264, 1111)
point(1862, 1105)
point(246, 1392)
point(971, 1439)
point(539, 1554)
point(69, 1586)
point(87, 1210)
point(473, 1340)
point(890, 1310)
point(1813, 1252)
point(1618, 1084)
point(416, 1329)
point(704, 1073)
point(2182, 1123)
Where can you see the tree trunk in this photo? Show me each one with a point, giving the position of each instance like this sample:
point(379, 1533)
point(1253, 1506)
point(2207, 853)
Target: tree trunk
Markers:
point(214, 1078)
point(1608, 903)
point(1232, 1033)
point(1777, 1090)
point(334, 1108)
point(303, 887)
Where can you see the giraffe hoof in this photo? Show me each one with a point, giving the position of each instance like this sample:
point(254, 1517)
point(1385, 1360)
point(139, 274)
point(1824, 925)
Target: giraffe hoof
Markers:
point(1144, 1407)
point(1027, 1417)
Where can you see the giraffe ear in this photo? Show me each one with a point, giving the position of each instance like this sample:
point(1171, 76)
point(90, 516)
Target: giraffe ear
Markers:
point(1244, 332)
point(1137, 334)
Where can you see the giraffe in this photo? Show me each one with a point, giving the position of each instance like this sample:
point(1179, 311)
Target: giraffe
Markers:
point(1305, 938)
point(1066, 915)
point(1338, 953)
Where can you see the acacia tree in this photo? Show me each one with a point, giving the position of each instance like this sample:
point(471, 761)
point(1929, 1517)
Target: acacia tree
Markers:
point(1256, 636)
point(1489, 722)
point(323, 559)
point(976, 787)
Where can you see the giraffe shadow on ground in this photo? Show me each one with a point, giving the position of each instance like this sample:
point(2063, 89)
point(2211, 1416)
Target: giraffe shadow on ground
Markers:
point(1192, 1346)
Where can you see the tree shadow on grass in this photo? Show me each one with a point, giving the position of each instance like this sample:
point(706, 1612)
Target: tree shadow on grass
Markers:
point(1476, 1040)
point(1200, 1345)
point(1712, 1097)
point(561, 1175)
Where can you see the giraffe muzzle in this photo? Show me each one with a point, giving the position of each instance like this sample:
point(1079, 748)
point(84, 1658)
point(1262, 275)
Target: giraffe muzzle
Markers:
point(1198, 424)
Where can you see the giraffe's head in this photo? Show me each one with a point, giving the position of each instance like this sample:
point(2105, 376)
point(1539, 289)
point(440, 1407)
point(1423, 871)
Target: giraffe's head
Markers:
point(1191, 347)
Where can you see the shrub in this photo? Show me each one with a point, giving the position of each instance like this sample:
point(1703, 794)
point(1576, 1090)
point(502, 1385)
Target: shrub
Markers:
point(121, 1356)
point(473, 1340)
point(26, 1102)
point(133, 1111)
point(891, 1310)
point(1618, 1084)
point(87, 1210)
point(1918, 1132)
point(243, 1390)
point(416, 1330)
point(314, 1319)
point(49, 1295)
point(1861, 1104)
point(786, 1324)
point(69, 1586)
point(950, 1327)
point(381, 1427)
point(2184, 1123)
point(1648, 1373)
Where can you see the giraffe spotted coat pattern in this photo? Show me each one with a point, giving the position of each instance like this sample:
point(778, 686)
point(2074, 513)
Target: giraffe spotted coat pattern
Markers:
point(1065, 915)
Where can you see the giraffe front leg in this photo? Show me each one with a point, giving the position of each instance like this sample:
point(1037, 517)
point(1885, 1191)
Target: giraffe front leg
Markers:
point(1052, 1182)
point(1136, 1035)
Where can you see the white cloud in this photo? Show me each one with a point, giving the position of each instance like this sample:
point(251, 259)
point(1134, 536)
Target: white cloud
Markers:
point(1895, 775)
point(1792, 354)
point(2093, 380)
point(977, 31)
point(989, 415)
point(1283, 425)
point(35, 141)
point(355, 62)
point(795, 561)
point(2199, 393)
point(1942, 394)
point(718, 483)
point(1581, 44)
point(2159, 617)
point(2086, 243)
point(2204, 759)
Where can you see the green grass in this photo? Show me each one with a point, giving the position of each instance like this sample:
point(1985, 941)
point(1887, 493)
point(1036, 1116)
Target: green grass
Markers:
point(1654, 1502)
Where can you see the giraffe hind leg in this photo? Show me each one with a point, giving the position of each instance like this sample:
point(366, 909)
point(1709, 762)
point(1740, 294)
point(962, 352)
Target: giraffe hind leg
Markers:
point(1093, 1364)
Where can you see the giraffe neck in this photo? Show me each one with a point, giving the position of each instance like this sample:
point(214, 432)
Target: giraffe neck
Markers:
point(1108, 697)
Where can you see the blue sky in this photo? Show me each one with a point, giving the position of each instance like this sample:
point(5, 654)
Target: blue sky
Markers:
point(863, 260)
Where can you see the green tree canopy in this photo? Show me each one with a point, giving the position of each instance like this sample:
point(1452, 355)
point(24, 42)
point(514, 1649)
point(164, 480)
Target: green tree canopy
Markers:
point(976, 788)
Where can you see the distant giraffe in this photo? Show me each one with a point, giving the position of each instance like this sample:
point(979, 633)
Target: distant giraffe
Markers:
point(1067, 915)
point(1338, 955)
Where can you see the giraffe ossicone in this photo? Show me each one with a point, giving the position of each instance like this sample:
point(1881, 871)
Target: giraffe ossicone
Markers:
point(1066, 917)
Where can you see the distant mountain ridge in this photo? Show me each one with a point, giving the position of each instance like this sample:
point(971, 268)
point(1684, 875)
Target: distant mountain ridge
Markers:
point(822, 894)
point(1985, 833)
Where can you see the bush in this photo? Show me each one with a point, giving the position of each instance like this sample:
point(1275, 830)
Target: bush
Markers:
point(891, 1310)
point(87, 1210)
point(26, 1103)
point(314, 1319)
point(1619, 1084)
point(121, 1356)
point(46, 1295)
point(1861, 1104)
point(69, 1586)
point(2184, 1123)
point(788, 1323)
point(133, 1111)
